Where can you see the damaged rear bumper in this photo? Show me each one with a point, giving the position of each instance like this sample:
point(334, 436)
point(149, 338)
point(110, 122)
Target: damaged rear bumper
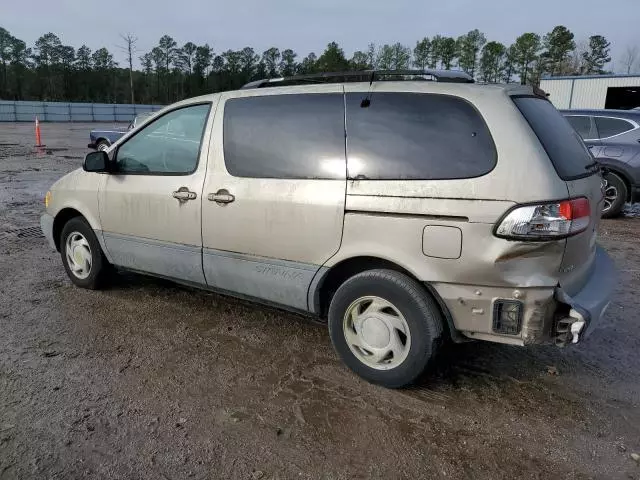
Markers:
point(583, 310)
point(545, 314)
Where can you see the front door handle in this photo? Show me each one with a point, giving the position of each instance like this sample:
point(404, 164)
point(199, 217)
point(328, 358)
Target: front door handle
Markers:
point(221, 197)
point(183, 194)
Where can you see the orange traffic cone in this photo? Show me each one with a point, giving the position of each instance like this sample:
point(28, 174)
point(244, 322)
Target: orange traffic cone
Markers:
point(38, 135)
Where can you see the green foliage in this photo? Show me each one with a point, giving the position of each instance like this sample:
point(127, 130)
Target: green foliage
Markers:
point(359, 61)
point(421, 53)
point(558, 44)
point(308, 65)
point(54, 71)
point(393, 57)
point(271, 60)
point(448, 52)
point(492, 62)
point(468, 48)
point(510, 62)
point(597, 56)
point(288, 65)
point(527, 47)
point(436, 49)
point(332, 59)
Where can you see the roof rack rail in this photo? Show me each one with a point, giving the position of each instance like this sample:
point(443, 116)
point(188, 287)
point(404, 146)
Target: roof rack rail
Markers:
point(449, 76)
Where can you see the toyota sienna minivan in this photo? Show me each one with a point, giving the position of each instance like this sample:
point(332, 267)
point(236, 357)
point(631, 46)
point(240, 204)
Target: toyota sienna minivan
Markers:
point(405, 212)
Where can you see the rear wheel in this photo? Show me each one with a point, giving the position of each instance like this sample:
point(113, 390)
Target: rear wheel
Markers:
point(81, 254)
point(385, 327)
point(615, 195)
point(102, 145)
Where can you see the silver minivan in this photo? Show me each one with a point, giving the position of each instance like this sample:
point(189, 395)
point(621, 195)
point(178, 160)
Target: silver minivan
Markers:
point(405, 212)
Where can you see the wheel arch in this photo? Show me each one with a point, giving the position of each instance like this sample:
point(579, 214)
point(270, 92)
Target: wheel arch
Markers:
point(329, 280)
point(63, 216)
point(623, 175)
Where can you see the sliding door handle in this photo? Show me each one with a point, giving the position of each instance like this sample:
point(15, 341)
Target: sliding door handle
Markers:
point(221, 197)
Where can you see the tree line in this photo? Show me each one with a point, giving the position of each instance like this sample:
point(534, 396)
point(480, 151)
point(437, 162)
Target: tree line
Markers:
point(52, 71)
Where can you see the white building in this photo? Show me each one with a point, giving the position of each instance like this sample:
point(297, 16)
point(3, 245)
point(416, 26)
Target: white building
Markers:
point(593, 92)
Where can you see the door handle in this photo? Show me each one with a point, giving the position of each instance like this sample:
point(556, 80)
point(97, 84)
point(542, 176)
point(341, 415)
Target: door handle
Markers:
point(183, 194)
point(221, 197)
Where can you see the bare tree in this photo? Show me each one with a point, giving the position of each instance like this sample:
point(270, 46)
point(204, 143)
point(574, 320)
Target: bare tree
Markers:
point(575, 65)
point(130, 50)
point(630, 57)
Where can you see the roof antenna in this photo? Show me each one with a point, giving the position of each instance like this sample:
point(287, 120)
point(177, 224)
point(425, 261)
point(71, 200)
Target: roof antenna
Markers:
point(366, 101)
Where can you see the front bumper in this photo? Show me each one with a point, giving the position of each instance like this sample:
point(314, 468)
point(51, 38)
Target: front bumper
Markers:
point(46, 225)
point(587, 307)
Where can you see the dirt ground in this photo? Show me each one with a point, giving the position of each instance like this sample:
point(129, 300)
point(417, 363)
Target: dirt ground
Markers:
point(148, 380)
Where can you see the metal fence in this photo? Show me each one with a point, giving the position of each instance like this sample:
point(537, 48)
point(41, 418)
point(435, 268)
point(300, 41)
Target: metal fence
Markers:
point(70, 112)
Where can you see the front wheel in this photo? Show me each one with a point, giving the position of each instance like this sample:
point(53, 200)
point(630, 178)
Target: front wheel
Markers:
point(81, 254)
point(385, 326)
point(615, 195)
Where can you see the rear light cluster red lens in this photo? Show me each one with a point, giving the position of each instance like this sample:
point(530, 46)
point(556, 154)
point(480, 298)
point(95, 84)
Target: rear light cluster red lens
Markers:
point(547, 221)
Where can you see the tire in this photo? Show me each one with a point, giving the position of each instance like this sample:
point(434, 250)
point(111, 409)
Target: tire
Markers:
point(81, 254)
point(616, 195)
point(102, 145)
point(409, 306)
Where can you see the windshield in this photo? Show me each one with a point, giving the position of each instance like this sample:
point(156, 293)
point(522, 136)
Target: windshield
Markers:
point(566, 150)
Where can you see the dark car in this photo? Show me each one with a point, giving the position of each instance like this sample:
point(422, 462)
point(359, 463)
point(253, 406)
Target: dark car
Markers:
point(103, 139)
point(613, 136)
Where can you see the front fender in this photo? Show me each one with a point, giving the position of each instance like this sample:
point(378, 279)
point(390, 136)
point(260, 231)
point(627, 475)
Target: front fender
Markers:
point(77, 190)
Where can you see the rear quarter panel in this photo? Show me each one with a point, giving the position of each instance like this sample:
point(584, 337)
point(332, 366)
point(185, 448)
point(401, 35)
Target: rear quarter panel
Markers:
point(387, 218)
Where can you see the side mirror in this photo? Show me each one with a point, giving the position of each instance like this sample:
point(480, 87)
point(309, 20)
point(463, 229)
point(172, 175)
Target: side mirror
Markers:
point(96, 162)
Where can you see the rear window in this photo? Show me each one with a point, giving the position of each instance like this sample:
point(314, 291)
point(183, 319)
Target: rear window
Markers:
point(563, 145)
point(412, 136)
point(608, 127)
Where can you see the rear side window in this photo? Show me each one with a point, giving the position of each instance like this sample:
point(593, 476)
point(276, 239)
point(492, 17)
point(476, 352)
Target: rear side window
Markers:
point(580, 124)
point(412, 136)
point(608, 127)
point(563, 145)
point(285, 136)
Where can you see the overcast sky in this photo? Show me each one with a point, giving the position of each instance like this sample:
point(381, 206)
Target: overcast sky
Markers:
point(305, 26)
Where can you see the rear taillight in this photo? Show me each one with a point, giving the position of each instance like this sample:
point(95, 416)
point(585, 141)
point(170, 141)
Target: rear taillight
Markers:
point(547, 221)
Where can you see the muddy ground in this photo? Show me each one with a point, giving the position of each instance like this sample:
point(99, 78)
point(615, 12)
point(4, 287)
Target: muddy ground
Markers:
point(151, 380)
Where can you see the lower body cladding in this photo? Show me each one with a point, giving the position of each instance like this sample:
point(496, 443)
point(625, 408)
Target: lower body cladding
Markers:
point(525, 316)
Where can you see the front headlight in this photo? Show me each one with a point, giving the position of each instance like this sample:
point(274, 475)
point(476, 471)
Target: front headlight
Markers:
point(47, 200)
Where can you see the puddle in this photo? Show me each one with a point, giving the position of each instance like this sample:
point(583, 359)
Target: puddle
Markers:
point(13, 150)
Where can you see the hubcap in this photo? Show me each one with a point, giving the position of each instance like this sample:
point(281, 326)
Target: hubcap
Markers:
point(377, 333)
point(78, 254)
point(610, 195)
point(103, 146)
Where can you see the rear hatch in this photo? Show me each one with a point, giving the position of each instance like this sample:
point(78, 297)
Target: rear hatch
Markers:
point(576, 166)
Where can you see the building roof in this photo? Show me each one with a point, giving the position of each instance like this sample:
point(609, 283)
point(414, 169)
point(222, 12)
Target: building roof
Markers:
point(591, 77)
